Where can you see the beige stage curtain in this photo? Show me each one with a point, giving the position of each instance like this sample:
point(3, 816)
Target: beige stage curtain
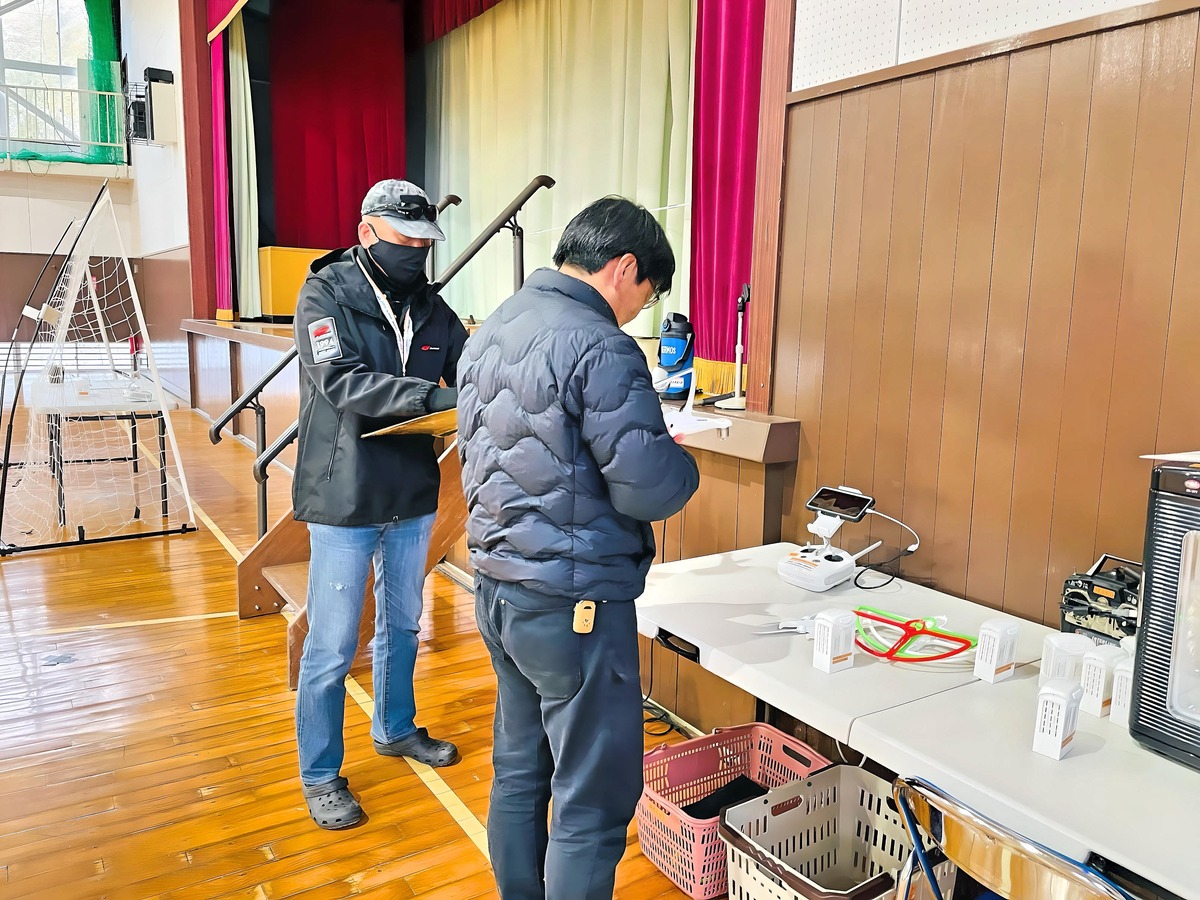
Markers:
point(594, 93)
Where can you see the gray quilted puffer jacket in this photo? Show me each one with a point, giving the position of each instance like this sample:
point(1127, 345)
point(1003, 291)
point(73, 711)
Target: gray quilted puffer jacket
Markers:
point(565, 455)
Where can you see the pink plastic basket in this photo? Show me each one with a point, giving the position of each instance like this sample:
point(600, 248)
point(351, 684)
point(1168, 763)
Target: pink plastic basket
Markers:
point(689, 851)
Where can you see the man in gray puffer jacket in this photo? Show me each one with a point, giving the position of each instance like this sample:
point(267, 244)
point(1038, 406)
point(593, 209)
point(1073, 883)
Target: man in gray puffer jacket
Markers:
point(566, 461)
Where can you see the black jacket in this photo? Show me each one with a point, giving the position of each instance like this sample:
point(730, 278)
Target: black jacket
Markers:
point(352, 383)
point(565, 455)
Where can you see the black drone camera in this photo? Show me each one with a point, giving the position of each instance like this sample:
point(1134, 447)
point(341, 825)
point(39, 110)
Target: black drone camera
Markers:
point(1102, 603)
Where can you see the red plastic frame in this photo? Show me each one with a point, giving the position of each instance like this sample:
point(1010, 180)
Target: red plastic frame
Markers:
point(910, 631)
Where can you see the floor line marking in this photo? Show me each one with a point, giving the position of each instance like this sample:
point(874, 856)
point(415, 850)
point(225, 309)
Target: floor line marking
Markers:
point(208, 523)
point(217, 532)
point(109, 626)
point(458, 810)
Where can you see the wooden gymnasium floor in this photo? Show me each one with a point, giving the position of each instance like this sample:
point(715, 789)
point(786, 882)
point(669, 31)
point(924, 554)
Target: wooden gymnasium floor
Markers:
point(146, 734)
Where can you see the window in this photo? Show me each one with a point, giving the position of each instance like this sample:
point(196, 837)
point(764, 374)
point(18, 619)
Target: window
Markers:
point(59, 82)
point(42, 41)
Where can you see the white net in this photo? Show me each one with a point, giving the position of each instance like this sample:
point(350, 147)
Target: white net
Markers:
point(92, 453)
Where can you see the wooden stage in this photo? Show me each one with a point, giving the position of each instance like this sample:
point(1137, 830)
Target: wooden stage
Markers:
point(147, 742)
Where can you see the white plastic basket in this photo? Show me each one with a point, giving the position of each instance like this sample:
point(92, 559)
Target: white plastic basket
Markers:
point(835, 835)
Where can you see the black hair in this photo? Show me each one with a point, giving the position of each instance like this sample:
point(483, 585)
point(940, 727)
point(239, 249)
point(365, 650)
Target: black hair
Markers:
point(612, 227)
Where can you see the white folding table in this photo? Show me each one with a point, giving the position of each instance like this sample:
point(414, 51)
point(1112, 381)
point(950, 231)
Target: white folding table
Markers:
point(96, 398)
point(717, 603)
point(1109, 796)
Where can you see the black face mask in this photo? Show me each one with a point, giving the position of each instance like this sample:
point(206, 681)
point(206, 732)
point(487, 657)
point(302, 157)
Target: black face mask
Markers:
point(404, 266)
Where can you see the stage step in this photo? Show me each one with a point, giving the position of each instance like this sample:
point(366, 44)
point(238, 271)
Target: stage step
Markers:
point(291, 581)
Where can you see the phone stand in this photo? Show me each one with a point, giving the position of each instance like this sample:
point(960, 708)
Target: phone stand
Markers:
point(683, 421)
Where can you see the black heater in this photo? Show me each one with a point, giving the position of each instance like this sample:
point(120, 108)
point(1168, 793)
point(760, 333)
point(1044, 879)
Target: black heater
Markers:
point(1165, 714)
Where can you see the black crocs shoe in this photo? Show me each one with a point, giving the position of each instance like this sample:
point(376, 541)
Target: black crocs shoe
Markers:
point(421, 747)
point(332, 806)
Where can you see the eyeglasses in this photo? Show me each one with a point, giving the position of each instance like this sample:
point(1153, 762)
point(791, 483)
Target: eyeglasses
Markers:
point(653, 301)
point(411, 208)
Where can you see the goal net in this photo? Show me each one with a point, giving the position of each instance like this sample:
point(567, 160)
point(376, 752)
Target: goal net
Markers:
point(89, 452)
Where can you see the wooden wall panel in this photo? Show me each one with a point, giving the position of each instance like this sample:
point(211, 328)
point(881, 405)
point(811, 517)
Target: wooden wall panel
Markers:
point(710, 518)
point(988, 284)
point(843, 289)
point(935, 293)
point(671, 548)
point(900, 303)
point(792, 268)
point(813, 295)
point(866, 347)
point(1108, 177)
point(986, 90)
point(754, 507)
point(19, 275)
point(212, 381)
point(1060, 201)
point(737, 505)
point(1007, 318)
point(708, 701)
point(164, 281)
point(1164, 112)
point(1181, 369)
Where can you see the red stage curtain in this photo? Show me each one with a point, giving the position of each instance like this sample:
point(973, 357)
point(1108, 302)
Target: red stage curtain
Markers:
point(337, 113)
point(728, 83)
point(440, 17)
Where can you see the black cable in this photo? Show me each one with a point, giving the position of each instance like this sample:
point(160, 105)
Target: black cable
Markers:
point(877, 567)
point(651, 713)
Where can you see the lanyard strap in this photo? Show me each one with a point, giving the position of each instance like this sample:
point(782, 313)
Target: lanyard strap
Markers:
point(404, 334)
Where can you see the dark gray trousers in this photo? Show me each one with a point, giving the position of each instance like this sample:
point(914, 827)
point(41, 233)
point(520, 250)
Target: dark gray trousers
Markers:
point(568, 726)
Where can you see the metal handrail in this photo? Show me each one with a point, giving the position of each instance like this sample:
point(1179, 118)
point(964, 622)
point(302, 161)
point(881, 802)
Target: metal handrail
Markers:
point(506, 219)
point(268, 456)
point(249, 398)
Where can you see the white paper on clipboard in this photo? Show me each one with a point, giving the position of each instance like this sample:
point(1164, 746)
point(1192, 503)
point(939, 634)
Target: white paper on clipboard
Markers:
point(1192, 457)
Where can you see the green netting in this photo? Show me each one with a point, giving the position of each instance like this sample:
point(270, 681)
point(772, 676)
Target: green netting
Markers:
point(102, 119)
point(107, 120)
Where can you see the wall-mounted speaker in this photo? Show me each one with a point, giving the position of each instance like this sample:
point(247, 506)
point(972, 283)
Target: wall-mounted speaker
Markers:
point(161, 106)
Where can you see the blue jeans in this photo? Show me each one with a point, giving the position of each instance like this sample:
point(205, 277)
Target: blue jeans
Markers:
point(337, 582)
point(568, 725)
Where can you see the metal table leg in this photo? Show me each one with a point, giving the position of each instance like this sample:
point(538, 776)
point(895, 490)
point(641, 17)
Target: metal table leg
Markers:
point(133, 441)
point(54, 422)
point(162, 460)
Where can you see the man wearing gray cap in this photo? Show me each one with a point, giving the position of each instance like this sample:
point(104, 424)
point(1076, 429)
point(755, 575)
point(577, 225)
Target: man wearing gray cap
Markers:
point(374, 342)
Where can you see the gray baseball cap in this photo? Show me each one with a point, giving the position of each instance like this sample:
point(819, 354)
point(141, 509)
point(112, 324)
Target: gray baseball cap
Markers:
point(405, 207)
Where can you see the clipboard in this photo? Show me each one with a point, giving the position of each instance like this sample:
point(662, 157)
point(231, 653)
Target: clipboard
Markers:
point(1192, 457)
point(438, 424)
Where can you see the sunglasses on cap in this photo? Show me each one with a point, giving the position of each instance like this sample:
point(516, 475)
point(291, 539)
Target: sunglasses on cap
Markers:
point(412, 208)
